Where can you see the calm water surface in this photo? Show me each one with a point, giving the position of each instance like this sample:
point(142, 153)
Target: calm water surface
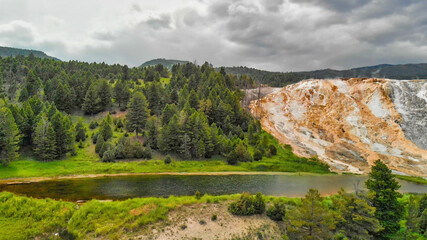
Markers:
point(123, 187)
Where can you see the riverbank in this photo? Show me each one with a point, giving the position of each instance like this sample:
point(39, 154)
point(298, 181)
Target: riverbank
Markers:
point(40, 179)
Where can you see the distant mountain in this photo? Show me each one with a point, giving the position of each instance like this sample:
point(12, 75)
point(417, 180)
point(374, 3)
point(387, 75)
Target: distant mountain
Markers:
point(279, 79)
point(165, 62)
point(7, 52)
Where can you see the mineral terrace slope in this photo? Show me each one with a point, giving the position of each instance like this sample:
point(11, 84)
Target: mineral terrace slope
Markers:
point(350, 123)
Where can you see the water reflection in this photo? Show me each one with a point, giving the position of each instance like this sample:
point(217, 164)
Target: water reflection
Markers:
point(124, 187)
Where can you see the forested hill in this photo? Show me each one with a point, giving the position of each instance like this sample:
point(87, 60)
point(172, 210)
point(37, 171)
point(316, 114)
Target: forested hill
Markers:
point(7, 52)
point(279, 79)
point(168, 63)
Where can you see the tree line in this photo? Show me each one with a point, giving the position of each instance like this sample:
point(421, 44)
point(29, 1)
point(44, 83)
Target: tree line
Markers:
point(190, 111)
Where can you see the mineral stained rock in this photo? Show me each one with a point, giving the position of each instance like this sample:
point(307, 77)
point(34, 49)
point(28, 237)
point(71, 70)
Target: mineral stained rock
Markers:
point(350, 123)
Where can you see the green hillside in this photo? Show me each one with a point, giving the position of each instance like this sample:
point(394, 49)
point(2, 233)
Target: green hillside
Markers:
point(7, 52)
point(168, 63)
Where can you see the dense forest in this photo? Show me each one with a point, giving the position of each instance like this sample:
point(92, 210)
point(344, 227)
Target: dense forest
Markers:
point(280, 79)
point(191, 112)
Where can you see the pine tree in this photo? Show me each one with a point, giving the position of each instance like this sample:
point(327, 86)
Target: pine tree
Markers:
point(9, 137)
point(104, 93)
point(61, 138)
point(121, 94)
point(171, 136)
point(311, 220)
point(384, 197)
point(412, 220)
point(153, 131)
point(138, 113)
point(64, 99)
point(91, 102)
point(105, 130)
point(355, 219)
point(44, 140)
point(80, 132)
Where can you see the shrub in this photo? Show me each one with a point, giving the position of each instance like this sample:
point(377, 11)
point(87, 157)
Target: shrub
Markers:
point(214, 217)
point(81, 145)
point(93, 125)
point(277, 211)
point(108, 156)
point(168, 159)
point(247, 205)
point(105, 147)
point(120, 124)
point(272, 149)
point(198, 195)
point(126, 134)
point(257, 155)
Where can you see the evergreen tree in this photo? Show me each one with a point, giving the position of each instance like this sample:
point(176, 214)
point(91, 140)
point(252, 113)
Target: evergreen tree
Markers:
point(61, 134)
point(122, 94)
point(104, 93)
point(384, 197)
point(355, 219)
point(9, 137)
point(138, 113)
point(311, 220)
point(64, 98)
point(80, 132)
point(91, 102)
point(105, 130)
point(153, 130)
point(170, 138)
point(412, 220)
point(168, 112)
point(44, 140)
point(99, 143)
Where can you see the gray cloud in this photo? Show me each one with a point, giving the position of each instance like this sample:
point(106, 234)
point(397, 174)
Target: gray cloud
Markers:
point(280, 35)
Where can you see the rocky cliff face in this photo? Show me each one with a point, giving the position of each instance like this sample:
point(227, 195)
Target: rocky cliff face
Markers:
point(350, 123)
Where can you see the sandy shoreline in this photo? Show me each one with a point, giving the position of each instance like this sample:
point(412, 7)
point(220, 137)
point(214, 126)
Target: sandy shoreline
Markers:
point(40, 179)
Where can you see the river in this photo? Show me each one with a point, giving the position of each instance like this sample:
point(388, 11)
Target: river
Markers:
point(123, 187)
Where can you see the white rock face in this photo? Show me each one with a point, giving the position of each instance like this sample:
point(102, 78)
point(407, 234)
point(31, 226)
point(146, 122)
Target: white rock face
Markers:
point(351, 123)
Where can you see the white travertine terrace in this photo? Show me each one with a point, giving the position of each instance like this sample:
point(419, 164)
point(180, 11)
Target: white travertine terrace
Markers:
point(350, 123)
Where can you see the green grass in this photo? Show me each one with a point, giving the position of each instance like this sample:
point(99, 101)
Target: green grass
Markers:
point(24, 218)
point(87, 162)
point(414, 179)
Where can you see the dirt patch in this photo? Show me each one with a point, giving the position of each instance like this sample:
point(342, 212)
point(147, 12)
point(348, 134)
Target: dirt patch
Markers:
point(197, 222)
point(143, 210)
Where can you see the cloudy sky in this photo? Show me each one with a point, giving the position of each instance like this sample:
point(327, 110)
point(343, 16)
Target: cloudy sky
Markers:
point(279, 35)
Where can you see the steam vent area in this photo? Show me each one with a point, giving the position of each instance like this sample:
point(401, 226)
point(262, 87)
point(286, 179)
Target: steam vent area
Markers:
point(350, 123)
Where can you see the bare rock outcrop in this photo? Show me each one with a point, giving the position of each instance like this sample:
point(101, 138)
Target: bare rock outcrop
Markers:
point(350, 123)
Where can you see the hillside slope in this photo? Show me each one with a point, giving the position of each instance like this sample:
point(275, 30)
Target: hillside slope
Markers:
point(351, 123)
point(7, 52)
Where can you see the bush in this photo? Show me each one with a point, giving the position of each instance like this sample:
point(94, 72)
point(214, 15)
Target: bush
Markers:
point(277, 211)
point(168, 159)
point(214, 217)
point(272, 149)
point(257, 155)
point(93, 125)
point(108, 156)
point(198, 195)
point(120, 124)
point(81, 145)
point(247, 205)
